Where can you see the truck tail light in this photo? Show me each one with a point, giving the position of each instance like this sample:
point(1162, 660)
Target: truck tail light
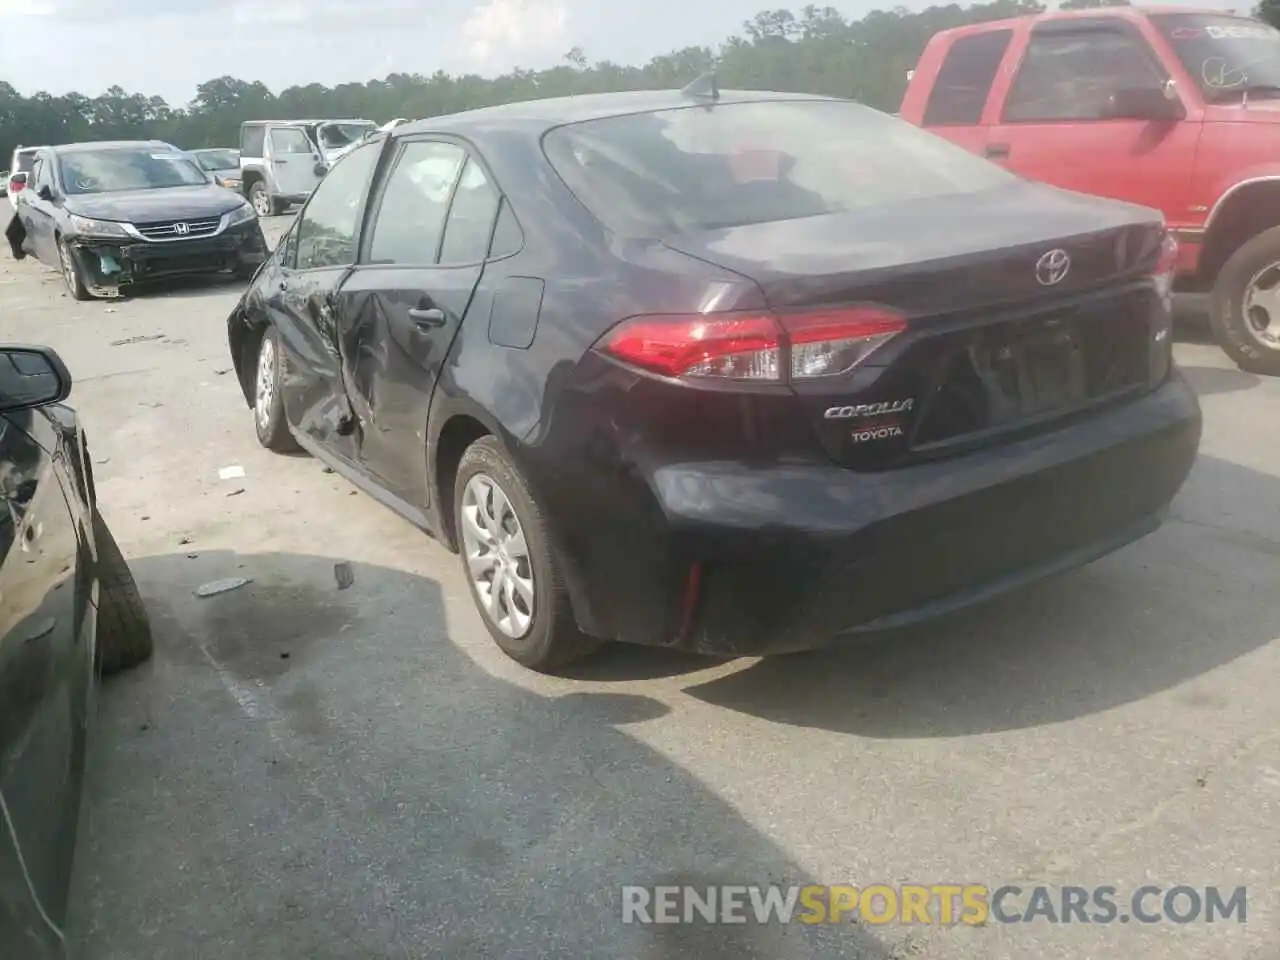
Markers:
point(1166, 265)
point(753, 346)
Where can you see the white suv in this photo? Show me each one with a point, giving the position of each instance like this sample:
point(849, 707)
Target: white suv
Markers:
point(23, 158)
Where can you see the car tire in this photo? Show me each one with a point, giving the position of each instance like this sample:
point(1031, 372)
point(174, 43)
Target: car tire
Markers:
point(70, 271)
point(1252, 272)
point(268, 404)
point(124, 629)
point(264, 205)
point(486, 523)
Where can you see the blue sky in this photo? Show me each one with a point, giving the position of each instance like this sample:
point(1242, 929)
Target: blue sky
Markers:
point(166, 47)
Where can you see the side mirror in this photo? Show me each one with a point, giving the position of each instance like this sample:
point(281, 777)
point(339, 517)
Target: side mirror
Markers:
point(32, 377)
point(1146, 103)
point(321, 169)
point(45, 193)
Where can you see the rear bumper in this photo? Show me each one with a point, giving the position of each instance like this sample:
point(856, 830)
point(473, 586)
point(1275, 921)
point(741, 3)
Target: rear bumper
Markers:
point(794, 557)
point(109, 265)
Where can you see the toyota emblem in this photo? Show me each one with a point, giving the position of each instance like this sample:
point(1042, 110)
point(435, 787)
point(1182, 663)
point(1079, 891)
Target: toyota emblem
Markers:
point(1053, 267)
point(182, 229)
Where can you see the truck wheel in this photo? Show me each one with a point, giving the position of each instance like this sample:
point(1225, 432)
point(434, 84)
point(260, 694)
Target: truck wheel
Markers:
point(1245, 305)
point(124, 629)
point(263, 204)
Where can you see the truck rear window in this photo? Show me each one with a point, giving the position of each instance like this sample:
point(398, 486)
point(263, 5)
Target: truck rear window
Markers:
point(693, 168)
point(26, 160)
point(1226, 56)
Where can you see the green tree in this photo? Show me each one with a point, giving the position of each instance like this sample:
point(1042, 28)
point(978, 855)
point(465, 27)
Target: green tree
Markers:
point(811, 50)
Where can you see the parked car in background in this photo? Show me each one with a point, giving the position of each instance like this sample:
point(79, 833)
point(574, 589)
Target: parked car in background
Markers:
point(19, 167)
point(223, 165)
point(1171, 108)
point(70, 610)
point(114, 215)
point(729, 372)
point(281, 161)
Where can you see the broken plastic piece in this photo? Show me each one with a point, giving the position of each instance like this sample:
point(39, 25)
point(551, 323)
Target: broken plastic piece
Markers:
point(221, 586)
point(233, 472)
point(343, 574)
point(109, 264)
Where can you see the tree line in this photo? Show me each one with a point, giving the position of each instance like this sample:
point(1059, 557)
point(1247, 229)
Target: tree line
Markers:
point(816, 50)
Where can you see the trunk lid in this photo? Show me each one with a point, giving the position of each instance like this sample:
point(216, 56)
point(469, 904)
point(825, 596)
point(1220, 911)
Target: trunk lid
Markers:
point(999, 338)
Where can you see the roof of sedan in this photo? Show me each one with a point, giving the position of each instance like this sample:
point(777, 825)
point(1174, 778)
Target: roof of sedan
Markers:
point(111, 145)
point(552, 112)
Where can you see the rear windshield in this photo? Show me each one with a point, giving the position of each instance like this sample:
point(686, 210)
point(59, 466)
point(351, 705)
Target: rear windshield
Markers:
point(26, 160)
point(335, 135)
point(1226, 56)
point(218, 159)
point(693, 168)
point(108, 171)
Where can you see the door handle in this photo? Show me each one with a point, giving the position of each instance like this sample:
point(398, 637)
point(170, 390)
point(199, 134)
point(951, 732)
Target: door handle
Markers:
point(997, 151)
point(427, 316)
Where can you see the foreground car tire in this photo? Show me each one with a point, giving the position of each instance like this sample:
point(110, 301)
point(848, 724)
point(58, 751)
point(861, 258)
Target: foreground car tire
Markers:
point(268, 404)
point(1245, 305)
point(514, 574)
point(124, 629)
point(71, 272)
point(263, 205)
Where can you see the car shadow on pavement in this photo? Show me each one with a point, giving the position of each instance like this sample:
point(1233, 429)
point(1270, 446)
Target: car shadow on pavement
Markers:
point(309, 772)
point(1207, 381)
point(1195, 595)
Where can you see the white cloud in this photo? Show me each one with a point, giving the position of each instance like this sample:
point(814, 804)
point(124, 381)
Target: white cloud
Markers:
point(501, 31)
point(27, 8)
point(278, 14)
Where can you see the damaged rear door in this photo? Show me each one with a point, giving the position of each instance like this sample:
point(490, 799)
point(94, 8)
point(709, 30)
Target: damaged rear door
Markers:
point(401, 308)
point(321, 251)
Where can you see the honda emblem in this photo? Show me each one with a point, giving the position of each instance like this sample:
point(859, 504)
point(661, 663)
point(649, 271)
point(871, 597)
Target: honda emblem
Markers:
point(182, 229)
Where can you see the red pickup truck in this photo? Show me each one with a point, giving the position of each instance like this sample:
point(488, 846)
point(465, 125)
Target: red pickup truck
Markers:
point(1172, 108)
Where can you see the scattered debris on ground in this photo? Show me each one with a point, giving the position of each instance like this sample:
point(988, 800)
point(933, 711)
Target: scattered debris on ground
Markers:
point(233, 472)
point(141, 338)
point(343, 573)
point(215, 587)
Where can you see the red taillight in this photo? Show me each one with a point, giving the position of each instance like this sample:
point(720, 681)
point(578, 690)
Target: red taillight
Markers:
point(750, 346)
point(16, 184)
point(1166, 265)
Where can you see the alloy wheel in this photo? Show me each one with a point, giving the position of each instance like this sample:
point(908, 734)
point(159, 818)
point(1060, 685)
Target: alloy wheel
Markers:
point(497, 556)
point(265, 390)
point(68, 265)
point(1261, 307)
point(261, 203)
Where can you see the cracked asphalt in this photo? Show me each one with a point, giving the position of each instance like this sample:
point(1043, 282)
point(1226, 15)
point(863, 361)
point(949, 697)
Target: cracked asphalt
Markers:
point(311, 772)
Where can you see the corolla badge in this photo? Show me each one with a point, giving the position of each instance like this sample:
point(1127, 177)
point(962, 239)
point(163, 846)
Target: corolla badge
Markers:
point(868, 409)
point(1053, 267)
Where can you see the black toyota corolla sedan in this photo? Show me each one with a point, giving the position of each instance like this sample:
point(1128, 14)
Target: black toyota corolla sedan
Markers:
point(730, 372)
point(69, 607)
point(112, 216)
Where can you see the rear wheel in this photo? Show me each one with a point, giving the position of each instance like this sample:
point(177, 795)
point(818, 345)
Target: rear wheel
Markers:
point(124, 629)
point(1245, 305)
point(514, 574)
point(71, 272)
point(268, 404)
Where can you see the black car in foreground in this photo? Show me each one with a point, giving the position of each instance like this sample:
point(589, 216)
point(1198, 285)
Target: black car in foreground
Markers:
point(69, 609)
point(731, 372)
point(114, 215)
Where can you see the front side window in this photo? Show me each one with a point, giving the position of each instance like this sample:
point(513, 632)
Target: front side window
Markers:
point(1227, 57)
point(329, 225)
point(410, 219)
point(290, 140)
point(111, 171)
point(691, 168)
point(1073, 75)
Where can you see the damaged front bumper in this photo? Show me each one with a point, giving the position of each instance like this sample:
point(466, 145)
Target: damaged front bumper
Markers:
point(108, 266)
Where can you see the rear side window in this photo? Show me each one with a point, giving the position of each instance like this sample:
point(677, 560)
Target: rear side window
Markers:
point(1072, 75)
point(964, 81)
point(26, 161)
point(410, 219)
point(470, 222)
point(692, 168)
point(253, 141)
